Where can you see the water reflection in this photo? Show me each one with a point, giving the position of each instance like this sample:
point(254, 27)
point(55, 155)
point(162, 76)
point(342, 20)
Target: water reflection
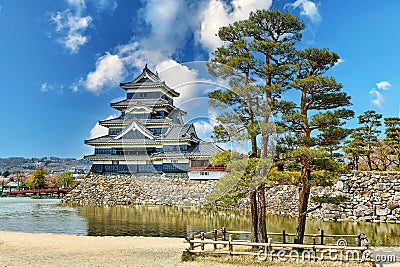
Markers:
point(169, 221)
point(46, 216)
point(166, 221)
point(21, 214)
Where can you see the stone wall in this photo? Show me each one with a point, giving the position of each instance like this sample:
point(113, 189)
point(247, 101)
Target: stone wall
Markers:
point(141, 189)
point(372, 196)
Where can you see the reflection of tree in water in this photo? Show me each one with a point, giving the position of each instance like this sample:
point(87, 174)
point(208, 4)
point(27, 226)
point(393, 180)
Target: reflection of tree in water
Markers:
point(158, 220)
point(172, 221)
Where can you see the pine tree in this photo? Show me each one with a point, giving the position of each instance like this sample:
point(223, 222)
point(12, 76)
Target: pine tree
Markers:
point(317, 117)
point(272, 34)
point(392, 139)
point(365, 139)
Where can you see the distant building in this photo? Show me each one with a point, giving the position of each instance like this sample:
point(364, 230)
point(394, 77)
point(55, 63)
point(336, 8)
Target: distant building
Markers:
point(150, 136)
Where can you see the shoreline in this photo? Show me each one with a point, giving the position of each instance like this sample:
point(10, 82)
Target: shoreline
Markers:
point(46, 249)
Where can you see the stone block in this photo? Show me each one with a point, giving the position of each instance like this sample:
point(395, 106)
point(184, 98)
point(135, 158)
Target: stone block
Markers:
point(392, 204)
point(382, 212)
point(380, 186)
point(366, 194)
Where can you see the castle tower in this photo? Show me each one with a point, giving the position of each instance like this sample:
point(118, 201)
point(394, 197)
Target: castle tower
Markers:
point(150, 136)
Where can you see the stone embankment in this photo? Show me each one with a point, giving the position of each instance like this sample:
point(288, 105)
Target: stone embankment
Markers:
point(372, 196)
point(141, 189)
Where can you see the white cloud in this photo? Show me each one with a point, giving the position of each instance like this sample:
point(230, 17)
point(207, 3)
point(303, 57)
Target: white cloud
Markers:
point(203, 128)
point(109, 71)
point(45, 87)
point(179, 77)
point(218, 14)
point(105, 5)
point(79, 5)
point(384, 85)
point(72, 24)
point(379, 99)
point(98, 130)
point(74, 87)
point(308, 9)
point(171, 24)
point(339, 61)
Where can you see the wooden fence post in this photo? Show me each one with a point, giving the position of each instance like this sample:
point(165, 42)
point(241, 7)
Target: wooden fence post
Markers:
point(269, 249)
point(322, 237)
point(191, 244)
point(223, 233)
point(202, 238)
point(215, 233)
point(230, 245)
point(314, 248)
point(284, 236)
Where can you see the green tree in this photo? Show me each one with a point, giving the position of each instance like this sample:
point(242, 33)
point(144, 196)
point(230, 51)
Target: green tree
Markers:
point(392, 139)
point(365, 139)
point(370, 122)
point(38, 179)
point(354, 147)
point(317, 117)
point(272, 34)
point(66, 179)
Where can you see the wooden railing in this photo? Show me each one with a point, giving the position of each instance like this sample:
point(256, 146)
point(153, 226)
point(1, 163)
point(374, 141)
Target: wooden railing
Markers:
point(220, 241)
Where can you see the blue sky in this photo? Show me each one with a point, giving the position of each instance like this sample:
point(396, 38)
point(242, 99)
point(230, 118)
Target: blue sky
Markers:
point(62, 61)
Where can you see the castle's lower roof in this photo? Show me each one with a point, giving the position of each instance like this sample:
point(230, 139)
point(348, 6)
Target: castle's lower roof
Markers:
point(121, 122)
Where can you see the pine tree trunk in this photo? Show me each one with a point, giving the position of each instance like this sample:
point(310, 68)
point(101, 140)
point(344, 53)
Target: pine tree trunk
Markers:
point(262, 221)
point(254, 216)
point(253, 146)
point(304, 195)
point(369, 162)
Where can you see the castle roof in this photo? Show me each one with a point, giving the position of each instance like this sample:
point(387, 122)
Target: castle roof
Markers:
point(178, 132)
point(203, 149)
point(151, 102)
point(121, 121)
point(147, 79)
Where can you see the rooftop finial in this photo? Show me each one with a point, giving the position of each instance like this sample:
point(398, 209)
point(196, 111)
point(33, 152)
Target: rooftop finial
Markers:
point(145, 67)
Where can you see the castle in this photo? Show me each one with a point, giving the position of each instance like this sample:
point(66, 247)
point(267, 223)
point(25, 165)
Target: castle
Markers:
point(150, 136)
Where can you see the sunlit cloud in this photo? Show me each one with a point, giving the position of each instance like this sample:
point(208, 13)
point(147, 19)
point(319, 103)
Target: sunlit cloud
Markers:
point(170, 23)
point(98, 130)
point(308, 9)
point(217, 14)
point(379, 99)
point(384, 85)
point(72, 25)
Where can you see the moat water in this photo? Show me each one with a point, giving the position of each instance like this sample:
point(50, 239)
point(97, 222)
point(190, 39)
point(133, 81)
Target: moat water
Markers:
point(47, 216)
